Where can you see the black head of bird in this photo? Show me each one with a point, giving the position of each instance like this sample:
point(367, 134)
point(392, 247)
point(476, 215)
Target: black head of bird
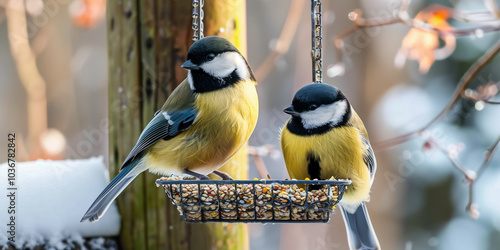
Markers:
point(318, 107)
point(214, 63)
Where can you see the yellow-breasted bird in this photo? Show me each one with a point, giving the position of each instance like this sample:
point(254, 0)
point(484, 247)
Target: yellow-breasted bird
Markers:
point(324, 138)
point(203, 123)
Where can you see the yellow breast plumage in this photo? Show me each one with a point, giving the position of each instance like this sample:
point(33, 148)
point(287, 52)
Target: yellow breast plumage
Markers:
point(339, 153)
point(226, 118)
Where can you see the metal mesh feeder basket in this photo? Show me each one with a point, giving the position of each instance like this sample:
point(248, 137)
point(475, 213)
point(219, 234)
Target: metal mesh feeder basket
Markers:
point(283, 201)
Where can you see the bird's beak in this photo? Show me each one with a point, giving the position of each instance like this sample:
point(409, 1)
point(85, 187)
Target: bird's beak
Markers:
point(291, 111)
point(190, 65)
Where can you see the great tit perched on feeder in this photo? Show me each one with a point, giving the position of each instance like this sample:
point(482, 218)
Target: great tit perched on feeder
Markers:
point(203, 123)
point(324, 138)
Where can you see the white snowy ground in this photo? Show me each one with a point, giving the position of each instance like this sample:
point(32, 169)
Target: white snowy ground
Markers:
point(52, 196)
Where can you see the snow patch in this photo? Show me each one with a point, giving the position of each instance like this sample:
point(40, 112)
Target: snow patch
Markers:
point(52, 196)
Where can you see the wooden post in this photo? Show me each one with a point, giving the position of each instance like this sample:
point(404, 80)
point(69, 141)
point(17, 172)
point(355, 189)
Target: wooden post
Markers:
point(147, 42)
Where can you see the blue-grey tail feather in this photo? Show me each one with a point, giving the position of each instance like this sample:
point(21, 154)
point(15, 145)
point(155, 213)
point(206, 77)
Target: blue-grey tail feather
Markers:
point(109, 194)
point(360, 232)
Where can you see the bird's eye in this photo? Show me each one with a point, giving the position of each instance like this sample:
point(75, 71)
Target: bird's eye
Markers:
point(210, 57)
point(313, 107)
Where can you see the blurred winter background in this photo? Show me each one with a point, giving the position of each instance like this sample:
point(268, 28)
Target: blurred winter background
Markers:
point(418, 199)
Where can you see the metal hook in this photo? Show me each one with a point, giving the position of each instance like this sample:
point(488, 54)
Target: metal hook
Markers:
point(316, 41)
point(198, 16)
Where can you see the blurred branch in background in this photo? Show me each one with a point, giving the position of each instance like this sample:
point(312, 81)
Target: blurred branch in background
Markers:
point(493, 8)
point(470, 176)
point(463, 84)
point(265, 150)
point(428, 24)
point(283, 44)
point(422, 44)
point(483, 94)
point(29, 75)
point(27, 39)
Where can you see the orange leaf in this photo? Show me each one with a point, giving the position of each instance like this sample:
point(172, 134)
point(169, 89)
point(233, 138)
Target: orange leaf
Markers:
point(88, 13)
point(438, 18)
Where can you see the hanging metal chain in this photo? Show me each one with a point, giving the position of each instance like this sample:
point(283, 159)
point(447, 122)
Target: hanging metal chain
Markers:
point(317, 45)
point(198, 15)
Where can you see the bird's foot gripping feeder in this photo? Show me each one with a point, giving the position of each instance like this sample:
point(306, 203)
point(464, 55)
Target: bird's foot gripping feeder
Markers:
point(276, 201)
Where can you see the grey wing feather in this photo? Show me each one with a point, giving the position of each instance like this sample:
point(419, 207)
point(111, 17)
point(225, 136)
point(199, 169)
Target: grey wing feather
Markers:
point(369, 158)
point(162, 127)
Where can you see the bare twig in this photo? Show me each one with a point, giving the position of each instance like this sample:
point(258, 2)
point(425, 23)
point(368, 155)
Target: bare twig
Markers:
point(487, 157)
point(456, 32)
point(470, 176)
point(338, 39)
point(483, 93)
point(453, 160)
point(284, 40)
point(475, 17)
point(490, 102)
point(464, 82)
point(481, 100)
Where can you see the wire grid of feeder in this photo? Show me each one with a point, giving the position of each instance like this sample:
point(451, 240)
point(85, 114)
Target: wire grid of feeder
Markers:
point(247, 201)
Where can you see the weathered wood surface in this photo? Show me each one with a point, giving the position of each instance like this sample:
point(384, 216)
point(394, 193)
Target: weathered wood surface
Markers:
point(147, 42)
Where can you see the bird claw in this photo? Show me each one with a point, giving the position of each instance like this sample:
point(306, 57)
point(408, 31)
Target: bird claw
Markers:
point(197, 175)
point(222, 175)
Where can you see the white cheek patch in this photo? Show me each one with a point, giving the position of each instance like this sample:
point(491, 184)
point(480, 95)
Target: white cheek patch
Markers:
point(318, 117)
point(224, 64)
point(190, 80)
point(340, 110)
point(241, 67)
point(167, 117)
point(332, 113)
